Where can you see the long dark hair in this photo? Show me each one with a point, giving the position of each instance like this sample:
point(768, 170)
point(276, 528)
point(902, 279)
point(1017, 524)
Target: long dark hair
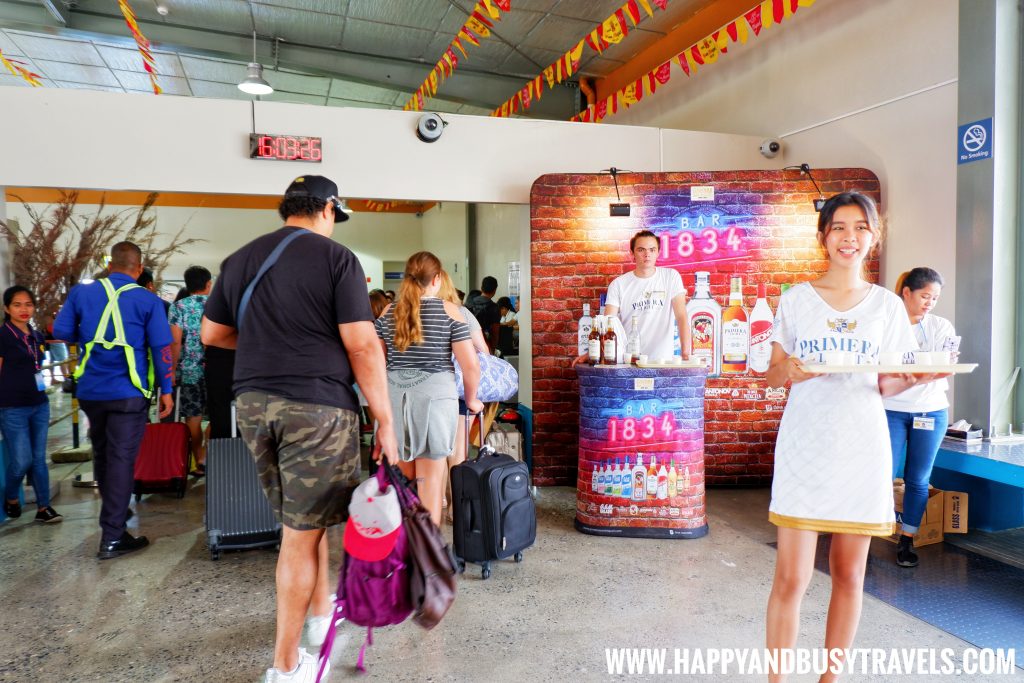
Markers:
point(9, 294)
point(918, 278)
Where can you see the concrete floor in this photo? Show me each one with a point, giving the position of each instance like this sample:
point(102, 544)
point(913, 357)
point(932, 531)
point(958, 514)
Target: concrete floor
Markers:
point(169, 613)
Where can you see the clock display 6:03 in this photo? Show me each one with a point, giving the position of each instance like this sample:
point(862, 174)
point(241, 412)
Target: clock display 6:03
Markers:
point(285, 147)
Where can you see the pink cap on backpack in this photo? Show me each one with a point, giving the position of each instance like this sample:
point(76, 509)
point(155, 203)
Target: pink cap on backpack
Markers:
point(374, 521)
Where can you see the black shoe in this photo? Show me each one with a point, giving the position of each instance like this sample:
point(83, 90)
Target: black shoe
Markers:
point(12, 510)
point(131, 513)
point(122, 546)
point(905, 555)
point(48, 515)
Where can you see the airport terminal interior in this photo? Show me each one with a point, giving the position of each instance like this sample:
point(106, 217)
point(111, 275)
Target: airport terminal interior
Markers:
point(528, 142)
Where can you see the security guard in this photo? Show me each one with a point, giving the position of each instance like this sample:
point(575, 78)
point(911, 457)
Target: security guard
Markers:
point(126, 340)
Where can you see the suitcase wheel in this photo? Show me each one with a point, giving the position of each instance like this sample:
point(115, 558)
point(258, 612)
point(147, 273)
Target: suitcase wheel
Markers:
point(214, 555)
point(485, 571)
point(138, 497)
point(519, 556)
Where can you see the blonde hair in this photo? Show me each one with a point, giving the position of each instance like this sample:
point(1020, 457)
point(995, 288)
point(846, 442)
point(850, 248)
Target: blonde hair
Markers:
point(420, 270)
point(448, 292)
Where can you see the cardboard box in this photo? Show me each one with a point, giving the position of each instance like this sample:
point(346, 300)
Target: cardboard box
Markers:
point(945, 513)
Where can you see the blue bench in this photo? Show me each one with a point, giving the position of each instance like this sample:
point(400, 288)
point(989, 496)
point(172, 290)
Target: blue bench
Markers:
point(991, 474)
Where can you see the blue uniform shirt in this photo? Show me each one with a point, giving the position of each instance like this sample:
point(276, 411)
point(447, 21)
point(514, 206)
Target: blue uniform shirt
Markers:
point(106, 375)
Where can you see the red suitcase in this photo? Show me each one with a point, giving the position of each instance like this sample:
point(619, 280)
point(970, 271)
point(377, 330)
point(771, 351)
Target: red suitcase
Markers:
point(162, 463)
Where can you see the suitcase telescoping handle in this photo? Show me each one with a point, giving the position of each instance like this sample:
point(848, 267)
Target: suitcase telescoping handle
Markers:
point(234, 421)
point(469, 428)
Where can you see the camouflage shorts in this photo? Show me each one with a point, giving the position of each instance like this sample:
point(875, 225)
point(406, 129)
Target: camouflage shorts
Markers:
point(307, 456)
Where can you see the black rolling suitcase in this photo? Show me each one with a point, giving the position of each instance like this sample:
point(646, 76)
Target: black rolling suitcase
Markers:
point(494, 515)
point(238, 515)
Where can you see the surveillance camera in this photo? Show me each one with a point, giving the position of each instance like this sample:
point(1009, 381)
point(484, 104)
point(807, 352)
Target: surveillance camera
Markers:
point(430, 127)
point(770, 148)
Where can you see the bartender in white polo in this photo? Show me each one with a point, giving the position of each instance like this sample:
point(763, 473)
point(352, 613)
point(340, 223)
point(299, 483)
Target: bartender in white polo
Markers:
point(656, 296)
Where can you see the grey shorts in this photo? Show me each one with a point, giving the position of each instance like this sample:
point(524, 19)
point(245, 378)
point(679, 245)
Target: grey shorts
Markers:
point(425, 409)
point(307, 457)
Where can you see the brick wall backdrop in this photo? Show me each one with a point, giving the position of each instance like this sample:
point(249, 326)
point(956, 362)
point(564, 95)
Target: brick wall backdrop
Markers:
point(577, 249)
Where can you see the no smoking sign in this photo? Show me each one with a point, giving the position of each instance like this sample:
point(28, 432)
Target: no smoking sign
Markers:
point(974, 141)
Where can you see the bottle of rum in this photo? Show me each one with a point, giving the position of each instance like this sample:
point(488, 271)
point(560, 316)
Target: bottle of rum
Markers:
point(586, 324)
point(735, 331)
point(705, 325)
point(673, 488)
point(761, 324)
point(639, 482)
point(633, 345)
point(594, 341)
point(609, 344)
point(652, 478)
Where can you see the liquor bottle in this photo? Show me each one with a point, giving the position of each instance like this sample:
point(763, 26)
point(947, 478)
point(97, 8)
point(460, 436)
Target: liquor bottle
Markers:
point(604, 297)
point(609, 344)
point(682, 481)
point(608, 479)
point(627, 479)
point(686, 479)
point(761, 324)
point(705, 325)
point(673, 487)
point(633, 345)
point(595, 478)
point(662, 489)
point(652, 478)
point(735, 331)
point(639, 482)
point(594, 341)
point(616, 480)
point(600, 479)
point(586, 324)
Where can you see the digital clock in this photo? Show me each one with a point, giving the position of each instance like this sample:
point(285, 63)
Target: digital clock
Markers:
point(285, 147)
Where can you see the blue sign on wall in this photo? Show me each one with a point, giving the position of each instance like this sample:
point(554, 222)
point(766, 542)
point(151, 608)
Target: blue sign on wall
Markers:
point(974, 141)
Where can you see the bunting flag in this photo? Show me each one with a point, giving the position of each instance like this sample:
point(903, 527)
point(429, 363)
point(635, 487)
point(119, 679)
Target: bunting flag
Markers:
point(18, 69)
point(382, 206)
point(702, 53)
point(478, 26)
point(609, 32)
point(143, 43)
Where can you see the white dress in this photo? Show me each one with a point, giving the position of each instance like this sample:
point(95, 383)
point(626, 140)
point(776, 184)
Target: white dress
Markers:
point(833, 460)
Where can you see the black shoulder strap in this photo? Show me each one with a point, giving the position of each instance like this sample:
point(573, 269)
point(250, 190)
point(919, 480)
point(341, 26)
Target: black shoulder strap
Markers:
point(267, 264)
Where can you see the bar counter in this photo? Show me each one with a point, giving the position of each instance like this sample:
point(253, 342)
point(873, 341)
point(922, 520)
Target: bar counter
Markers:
point(628, 412)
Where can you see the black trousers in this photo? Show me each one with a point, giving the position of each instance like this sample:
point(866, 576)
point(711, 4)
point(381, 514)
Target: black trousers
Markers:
point(219, 370)
point(115, 429)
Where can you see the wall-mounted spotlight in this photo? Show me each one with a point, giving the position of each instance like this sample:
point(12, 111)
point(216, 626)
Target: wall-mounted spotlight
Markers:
point(430, 127)
point(805, 169)
point(619, 208)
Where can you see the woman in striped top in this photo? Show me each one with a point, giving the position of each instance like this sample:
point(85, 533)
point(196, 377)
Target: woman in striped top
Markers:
point(419, 334)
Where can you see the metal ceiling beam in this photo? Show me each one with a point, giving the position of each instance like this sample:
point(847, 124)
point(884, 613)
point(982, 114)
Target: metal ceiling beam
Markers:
point(474, 88)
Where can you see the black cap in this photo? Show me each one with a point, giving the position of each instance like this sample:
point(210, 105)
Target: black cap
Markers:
point(321, 188)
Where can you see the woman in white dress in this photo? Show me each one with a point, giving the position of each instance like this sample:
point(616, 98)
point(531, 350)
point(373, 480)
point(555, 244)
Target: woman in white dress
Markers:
point(833, 465)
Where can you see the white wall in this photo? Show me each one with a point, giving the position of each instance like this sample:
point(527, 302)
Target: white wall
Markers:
point(829, 60)
point(444, 234)
point(373, 237)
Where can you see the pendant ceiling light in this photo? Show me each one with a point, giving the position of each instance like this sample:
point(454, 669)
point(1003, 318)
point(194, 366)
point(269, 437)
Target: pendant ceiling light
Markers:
point(254, 84)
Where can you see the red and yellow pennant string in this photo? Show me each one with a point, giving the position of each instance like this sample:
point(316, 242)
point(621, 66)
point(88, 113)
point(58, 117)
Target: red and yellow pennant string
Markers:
point(382, 206)
point(144, 49)
point(481, 20)
point(702, 53)
point(609, 32)
point(18, 69)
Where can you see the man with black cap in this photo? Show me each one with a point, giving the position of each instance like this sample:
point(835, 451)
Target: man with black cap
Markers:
point(294, 304)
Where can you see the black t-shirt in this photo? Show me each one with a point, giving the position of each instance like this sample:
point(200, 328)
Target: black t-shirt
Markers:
point(289, 345)
point(21, 356)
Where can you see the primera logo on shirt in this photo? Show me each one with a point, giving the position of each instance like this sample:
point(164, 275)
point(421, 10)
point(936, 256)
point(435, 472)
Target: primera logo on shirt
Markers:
point(842, 325)
point(650, 301)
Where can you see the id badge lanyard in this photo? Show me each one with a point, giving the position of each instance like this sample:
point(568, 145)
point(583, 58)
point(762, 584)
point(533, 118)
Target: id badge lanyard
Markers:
point(28, 341)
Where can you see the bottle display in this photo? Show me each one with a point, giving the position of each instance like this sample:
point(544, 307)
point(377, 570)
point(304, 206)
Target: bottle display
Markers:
point(762, 322)
point(705, 325)
point(586, 324)
point(619, 479)
point(594, 341)
point(735, 331)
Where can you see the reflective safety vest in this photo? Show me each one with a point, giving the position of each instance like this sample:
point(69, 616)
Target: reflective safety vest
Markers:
point(113, 313)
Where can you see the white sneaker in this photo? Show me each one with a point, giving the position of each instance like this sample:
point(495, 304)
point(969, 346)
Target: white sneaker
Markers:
point(305, 672)
point(316, 629)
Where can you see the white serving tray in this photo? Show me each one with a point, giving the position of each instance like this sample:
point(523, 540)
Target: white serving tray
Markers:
point(909, 369)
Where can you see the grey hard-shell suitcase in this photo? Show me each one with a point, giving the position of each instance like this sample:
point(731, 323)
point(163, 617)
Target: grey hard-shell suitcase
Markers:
point(238, 515)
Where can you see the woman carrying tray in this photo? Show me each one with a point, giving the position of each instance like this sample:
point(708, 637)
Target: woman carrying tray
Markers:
point(833, 463)
point(918, 417)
